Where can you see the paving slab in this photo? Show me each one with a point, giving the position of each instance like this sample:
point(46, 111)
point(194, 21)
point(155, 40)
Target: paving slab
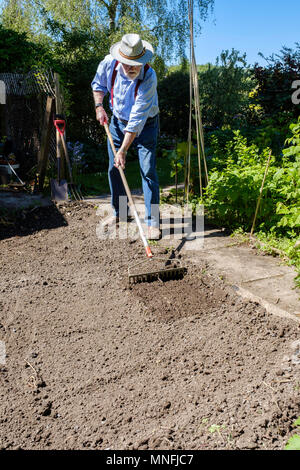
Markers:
point(258, 277)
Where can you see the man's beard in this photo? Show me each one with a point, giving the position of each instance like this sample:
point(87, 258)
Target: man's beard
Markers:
point(131, 75)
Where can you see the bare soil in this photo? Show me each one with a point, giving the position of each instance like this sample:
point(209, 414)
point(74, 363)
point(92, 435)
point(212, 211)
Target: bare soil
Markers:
point(94, 363)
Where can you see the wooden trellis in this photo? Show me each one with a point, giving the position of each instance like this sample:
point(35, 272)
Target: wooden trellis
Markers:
point(32, 83)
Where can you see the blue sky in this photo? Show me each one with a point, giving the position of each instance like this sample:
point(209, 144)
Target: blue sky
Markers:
point(250, 26)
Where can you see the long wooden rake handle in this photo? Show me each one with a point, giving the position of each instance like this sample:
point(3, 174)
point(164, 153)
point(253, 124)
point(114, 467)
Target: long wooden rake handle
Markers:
point(128, 192)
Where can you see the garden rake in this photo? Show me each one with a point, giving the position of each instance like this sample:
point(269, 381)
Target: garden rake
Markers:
point(172, 269)
point(60, 124)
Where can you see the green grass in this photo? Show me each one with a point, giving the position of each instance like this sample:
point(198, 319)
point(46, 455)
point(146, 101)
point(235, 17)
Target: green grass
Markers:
point(97, 183)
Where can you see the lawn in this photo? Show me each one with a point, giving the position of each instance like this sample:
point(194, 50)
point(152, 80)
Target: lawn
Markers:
point(97, 183)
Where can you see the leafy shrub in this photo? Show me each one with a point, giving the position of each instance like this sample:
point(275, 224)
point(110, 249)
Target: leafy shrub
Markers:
point(174, 99)
point(274, 83)
point(224, 89)
point(235, 182)
point(19, 54)
point(272, 133)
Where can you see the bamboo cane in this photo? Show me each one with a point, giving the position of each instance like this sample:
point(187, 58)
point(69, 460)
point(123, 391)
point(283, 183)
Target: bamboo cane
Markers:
point(189, 137)
point(195, 84)
point(260, 193)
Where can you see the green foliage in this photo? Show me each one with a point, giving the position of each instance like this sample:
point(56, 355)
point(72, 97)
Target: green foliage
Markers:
point(18, 16)
point(294, 441)
point(234, 186)
point(183, 150)
point(97, 183)
point(176, 163)
point(216, 428)
point(75, 56)
point(18, 53)
point(88, 156)
point(236, 170)
point(176, 160)
point(272, 133)
point(285, 246)
point(274, 83)
point(224, 89)
point(163, 21)
point(294, 140)
point(174, 96)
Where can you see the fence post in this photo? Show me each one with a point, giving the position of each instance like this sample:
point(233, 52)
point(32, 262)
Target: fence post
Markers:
point(45, 142)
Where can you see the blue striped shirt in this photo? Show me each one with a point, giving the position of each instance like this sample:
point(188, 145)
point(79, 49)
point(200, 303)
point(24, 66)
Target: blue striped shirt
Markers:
point(126, 107)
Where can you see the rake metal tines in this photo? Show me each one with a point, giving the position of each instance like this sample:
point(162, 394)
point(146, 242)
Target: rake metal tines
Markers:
point(168, 273)
point(74, 192)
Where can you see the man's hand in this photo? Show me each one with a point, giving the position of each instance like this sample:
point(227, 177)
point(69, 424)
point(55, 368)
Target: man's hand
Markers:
point(120, 159)
point(101, 115)
point(121, 154)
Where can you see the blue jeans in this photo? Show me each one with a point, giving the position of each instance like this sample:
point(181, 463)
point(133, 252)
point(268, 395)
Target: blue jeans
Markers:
point(146, 146)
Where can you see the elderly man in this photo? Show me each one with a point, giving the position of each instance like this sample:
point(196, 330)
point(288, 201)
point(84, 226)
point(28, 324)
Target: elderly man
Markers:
point(131, 82)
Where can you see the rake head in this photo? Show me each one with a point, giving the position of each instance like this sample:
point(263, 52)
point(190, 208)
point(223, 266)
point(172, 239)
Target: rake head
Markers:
point(166, 274)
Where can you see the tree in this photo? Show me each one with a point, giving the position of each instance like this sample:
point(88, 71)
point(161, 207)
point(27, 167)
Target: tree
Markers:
point(224, 88)
point(17, 16)
point(163, 23)
point(76, 57)
point(18, 53)
point(274, 90)
point(174, 96)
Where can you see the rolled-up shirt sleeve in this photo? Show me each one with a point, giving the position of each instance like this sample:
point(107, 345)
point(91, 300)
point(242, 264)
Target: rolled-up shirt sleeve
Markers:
point(99, 82)
point(146, 100)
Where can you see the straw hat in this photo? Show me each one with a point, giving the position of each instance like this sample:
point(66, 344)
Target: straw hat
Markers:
point(132, 50)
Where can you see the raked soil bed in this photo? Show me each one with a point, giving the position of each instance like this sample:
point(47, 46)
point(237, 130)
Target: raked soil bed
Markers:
point(95, 363)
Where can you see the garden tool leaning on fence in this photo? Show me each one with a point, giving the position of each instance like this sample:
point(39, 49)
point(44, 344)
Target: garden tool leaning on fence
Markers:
point(172, 268)
point(60, 125)
point(59, 188)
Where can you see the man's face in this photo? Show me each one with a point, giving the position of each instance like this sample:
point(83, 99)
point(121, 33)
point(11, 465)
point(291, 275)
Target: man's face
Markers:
point(131, 71)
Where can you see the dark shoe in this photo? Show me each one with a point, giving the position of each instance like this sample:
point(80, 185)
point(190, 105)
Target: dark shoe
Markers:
point(129, 219)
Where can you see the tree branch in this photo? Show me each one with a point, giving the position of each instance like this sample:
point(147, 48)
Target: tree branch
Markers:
point(104, 3)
